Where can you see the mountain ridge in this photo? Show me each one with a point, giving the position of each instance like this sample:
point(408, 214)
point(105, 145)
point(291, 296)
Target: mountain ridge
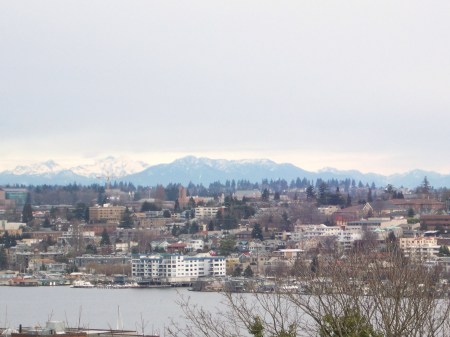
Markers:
point(200, 170)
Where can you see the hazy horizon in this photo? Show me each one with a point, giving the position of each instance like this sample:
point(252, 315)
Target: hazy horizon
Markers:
point(91, 161)
point(349, 85)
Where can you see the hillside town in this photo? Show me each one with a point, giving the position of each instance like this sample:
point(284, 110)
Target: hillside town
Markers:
point(121, 235)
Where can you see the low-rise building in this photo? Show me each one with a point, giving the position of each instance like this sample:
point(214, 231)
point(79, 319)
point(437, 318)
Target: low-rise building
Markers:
point(106, 213)
point(206, 212)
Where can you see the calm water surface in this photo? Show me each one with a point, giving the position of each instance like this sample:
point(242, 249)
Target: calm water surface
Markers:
point(98, 308)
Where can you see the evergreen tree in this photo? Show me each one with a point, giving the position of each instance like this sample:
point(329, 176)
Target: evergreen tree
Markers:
point(348, 202)
point(7, 240)
point(314, 264)
point(310, 194)
point(191, 203)
point(3, 259)
point(127, 220)
point(105, 241)
point(149, 206)
point(369, 195)
point(425, 186)
point(237, 271)
point(265, 195)
point(177, 206)
point(210, 225)
point(350, 324)
point(27, 213)
point(46, 223)
point(248, 272)
point(257, 232)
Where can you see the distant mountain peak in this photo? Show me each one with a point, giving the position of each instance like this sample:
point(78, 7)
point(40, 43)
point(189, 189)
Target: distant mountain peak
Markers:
point(116, 167)
point(45, 167)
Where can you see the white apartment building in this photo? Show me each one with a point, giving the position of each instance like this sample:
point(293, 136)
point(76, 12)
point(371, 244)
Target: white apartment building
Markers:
point(206, 212)
point(174, 268)
point(345, 236)
point(420, 247)
point(306, 232)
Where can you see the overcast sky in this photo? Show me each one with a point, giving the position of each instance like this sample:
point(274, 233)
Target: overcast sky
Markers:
point(347, 84)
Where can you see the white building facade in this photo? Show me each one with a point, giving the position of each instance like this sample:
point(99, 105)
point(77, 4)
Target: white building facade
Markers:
point(420, 247)
point(206, 212)
point(177, 268)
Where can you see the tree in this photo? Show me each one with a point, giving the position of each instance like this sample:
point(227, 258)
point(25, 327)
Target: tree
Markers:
point(237, 271)
point(191, 203)
point(403, 301)
point(176, 208)
point(257, 232)
point(27, 213)
point(7, 240)
point(314, 264)
point(322, 199)
point(389, 189)
point(46, 223)
point(425, 188)
point(411, 213)
point(256, 328)
point(350, 324)
point(227, 246)
point(248, 272)
point(265, 195)
point(149, 206)
point(310, 194)
point(105, 241)
point(369, 196)
point(3, 259)
point(444, 251)
point(348, 202)
point(80, 211)
point(91, 249)
point(127, 220)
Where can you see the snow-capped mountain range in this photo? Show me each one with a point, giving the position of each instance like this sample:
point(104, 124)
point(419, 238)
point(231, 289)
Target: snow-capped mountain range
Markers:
point(198, 170)
point(109, 166)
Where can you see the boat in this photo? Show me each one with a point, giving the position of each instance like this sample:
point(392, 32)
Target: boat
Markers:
point(82, 284)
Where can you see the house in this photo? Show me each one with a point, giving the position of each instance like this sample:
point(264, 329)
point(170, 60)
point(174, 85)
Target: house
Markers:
point(176, 247)
point(353, 213)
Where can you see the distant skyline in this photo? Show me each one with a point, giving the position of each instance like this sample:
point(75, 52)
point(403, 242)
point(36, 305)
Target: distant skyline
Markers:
point(351, 85)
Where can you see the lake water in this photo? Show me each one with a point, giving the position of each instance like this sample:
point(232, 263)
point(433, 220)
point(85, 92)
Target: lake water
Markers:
point(98, 308)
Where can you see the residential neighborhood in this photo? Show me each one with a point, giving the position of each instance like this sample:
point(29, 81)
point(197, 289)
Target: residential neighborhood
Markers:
point(177, 235)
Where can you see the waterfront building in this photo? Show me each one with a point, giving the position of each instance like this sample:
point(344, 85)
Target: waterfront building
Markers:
point(172, 268)
point(86, 259)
